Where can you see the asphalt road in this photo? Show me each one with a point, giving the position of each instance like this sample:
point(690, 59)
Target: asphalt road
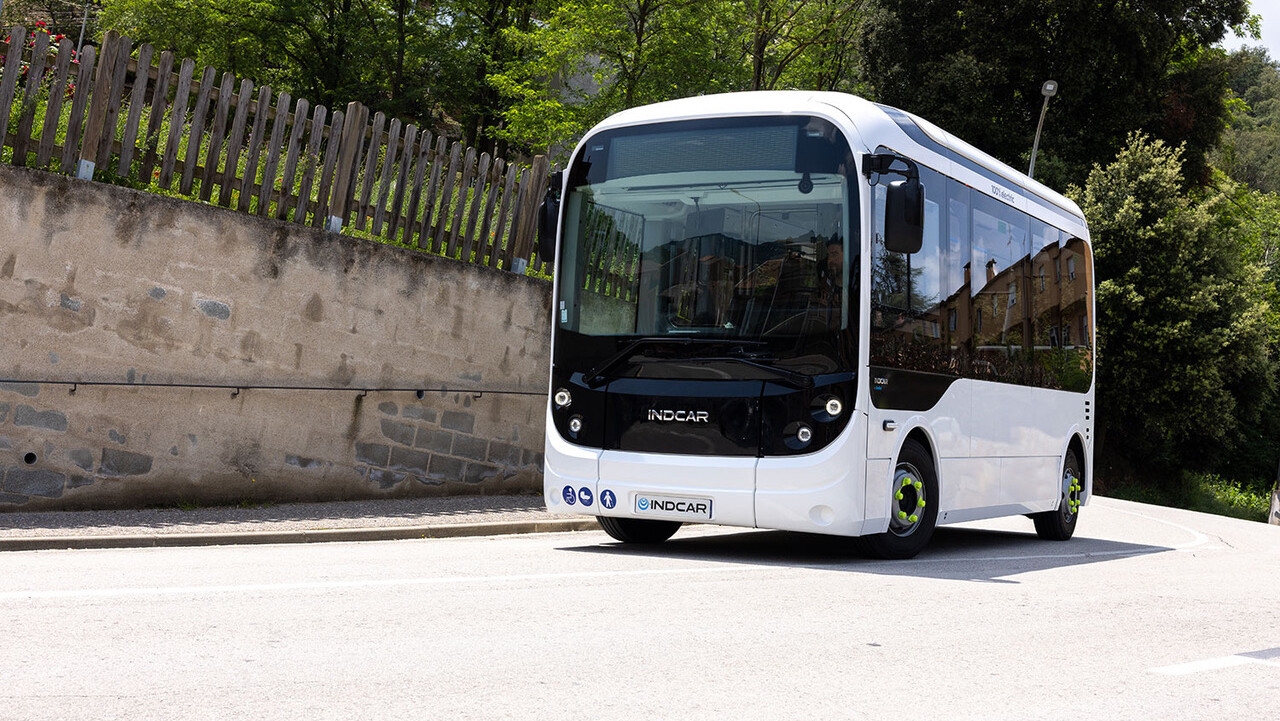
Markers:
point(1148, 613)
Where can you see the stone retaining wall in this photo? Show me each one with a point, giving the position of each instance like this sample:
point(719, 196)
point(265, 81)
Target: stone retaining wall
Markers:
point(218, 357)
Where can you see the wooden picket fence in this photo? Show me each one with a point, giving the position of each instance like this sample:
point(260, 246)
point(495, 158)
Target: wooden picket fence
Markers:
point(112, 112)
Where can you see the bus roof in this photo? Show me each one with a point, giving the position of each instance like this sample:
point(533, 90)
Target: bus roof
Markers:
point(873, 125)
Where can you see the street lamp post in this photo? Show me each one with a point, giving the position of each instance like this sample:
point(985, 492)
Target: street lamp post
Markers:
point(1048, 90)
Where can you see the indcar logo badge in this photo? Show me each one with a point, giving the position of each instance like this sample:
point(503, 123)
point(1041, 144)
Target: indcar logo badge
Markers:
point(657, 414)
point(674, 506)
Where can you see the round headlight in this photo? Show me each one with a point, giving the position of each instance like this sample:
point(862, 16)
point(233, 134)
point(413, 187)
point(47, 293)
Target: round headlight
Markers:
point(804, 434)
point(562, 398)
point(575, 424)
point(834, 407)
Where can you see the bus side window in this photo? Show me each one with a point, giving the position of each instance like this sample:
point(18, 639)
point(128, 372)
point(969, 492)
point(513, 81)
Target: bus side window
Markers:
point(907, 314)
point(956, 292)
point(1000, 261)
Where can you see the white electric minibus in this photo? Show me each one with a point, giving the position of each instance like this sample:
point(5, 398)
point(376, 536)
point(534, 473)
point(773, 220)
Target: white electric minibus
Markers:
point(810, 312)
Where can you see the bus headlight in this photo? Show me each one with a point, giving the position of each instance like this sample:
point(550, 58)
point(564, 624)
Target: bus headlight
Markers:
point(562, 398)
point(804, 434)
point(834, 407)
point(575, 424)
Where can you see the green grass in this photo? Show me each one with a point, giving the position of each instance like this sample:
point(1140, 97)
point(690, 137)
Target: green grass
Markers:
point(1207, 493)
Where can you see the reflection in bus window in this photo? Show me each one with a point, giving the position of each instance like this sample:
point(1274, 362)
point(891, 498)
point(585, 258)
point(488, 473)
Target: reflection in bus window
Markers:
point(997, 277)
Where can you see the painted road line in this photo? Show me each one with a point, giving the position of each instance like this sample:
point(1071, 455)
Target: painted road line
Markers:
point(1266, 657)
point(1198, 539)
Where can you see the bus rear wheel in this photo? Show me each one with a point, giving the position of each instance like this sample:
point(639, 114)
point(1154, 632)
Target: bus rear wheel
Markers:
point(638, 530)
point(914, 506)
point(1059, 525)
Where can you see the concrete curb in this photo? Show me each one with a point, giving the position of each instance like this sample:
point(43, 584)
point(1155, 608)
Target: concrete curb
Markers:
point(325, 535)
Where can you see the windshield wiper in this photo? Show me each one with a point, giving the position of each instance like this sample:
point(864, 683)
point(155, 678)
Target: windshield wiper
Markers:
point(598, 375)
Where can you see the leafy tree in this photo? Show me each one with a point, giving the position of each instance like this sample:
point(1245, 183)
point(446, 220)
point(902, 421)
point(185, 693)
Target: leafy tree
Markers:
point(595, 57)
point(975, 69)
point(1249, 150)
point(797, 43)
point(1185, 327)
point(329, 51)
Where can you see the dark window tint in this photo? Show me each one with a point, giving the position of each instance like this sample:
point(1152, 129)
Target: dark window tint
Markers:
point(993, 294)
point(909, 325)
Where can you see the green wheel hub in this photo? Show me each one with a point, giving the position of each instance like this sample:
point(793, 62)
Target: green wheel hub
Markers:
point(1072, 490)
point(909, 500)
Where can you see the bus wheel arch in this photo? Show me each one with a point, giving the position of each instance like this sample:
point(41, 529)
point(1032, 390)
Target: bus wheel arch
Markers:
point(1060, 523)
point(1077, 444)
point(914, 501)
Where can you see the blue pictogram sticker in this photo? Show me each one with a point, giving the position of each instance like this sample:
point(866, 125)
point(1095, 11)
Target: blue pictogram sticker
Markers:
point(644, 504)
point(570, 496)
point(584, 495)
point(607, 499)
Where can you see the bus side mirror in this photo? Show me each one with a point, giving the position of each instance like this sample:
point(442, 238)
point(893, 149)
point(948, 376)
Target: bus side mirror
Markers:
point(548, 217)
point(904, 216)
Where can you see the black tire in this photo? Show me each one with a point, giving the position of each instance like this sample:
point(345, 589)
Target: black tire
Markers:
point(1060, 524)
point(638, 530)
point(906, 538)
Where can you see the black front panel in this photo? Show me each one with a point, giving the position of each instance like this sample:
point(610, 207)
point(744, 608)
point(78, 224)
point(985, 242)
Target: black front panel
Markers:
point(719, 418)
point(784, 411)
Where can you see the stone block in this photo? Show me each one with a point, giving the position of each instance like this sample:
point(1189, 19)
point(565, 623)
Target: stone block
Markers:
point(4, 412)
point(479, 472)
point(34, 482)
point(532, 458)
point(78, 481)
point(214, 308)
point(385, 479)
point(48, 420)
point(30, 390)
point(403, 459)
point(117, 463)
point(82, 457)
point(304, 463)
point(504, 454)
point(458, 421)
point(12, 499)
point(388, 407)
point(375, 454)
point(433, 440)
point(401, 433)
point(470, 447)
point(420, 413)
point(445, 468)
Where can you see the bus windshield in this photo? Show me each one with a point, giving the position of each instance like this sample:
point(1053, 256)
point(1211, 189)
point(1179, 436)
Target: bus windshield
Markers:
point(733, 229)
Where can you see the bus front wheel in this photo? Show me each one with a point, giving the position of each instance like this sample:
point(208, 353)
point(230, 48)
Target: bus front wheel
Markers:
point(638, 530)
point(1059, 525)
point(914, 506)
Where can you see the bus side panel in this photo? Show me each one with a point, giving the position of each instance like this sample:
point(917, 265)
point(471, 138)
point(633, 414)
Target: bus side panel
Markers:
point(948, 422)
point(879, 478)
point(1035, 482)
point(971, 483)
point(1030, 484)
point(1004, 418)
point(818, 493)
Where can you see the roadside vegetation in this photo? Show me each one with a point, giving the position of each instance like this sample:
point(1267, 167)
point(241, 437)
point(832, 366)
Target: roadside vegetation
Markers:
point(1170, 145)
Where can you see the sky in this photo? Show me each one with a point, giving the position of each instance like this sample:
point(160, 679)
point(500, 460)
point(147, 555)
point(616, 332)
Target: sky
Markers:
point(1270, 12)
